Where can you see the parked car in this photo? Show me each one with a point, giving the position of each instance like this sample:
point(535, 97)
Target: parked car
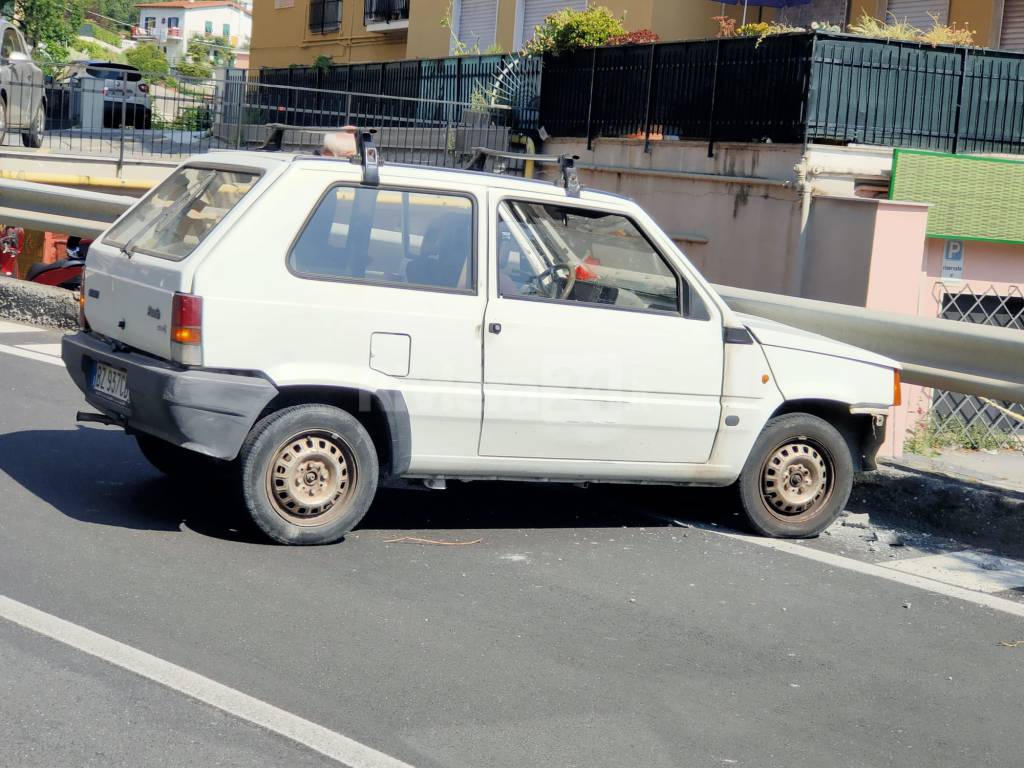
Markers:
point(419, 325)
point(106, 93)
point(22, 100)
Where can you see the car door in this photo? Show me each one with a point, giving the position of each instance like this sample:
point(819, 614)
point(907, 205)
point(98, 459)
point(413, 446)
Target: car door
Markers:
point(595, 346)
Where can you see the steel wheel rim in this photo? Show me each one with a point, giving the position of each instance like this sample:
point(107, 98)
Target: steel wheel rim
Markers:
point(797, 479)
point(39, 122)
point(311, 477)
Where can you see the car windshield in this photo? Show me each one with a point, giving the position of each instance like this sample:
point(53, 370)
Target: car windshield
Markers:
point(181, 212)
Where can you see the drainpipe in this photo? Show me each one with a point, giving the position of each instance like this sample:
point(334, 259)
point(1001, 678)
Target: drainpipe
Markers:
point(804, 187)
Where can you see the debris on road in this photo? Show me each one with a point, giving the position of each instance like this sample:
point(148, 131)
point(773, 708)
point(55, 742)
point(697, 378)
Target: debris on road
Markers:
point(436, 542)
point(1012, 644)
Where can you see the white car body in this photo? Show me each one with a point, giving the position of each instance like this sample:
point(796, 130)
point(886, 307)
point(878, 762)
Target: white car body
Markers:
point(563, 391)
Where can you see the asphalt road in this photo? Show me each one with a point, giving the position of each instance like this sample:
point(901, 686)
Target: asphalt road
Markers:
point(581, 630)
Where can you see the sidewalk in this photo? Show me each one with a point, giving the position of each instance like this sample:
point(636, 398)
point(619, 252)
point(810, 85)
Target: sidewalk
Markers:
point(1004, 469)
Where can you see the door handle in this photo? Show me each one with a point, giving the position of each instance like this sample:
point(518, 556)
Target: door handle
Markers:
point(494, 328)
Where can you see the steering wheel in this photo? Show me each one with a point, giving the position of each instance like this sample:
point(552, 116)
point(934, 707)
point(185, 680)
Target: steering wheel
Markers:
point(549, 275)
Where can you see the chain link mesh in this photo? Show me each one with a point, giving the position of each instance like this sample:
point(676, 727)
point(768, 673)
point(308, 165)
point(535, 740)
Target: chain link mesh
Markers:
point(965, 419)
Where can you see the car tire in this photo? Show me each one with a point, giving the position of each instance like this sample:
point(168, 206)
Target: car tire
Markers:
point(33, 137)
point(797, 478)
point(3, 120)
point(309, 474)
point(175, 461)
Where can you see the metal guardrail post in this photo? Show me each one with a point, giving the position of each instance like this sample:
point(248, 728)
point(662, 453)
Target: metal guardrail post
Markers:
point(960, 100)
point(711, 108)
point(590, 98)
point(647, 108)
point(124, 117)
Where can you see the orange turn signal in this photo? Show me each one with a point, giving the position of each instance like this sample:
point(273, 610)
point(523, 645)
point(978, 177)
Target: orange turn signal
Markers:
point(897, 397)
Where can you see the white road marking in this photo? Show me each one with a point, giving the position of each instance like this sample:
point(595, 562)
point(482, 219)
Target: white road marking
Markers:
point(30, 355)
point(327, 742)
point(44, 349)
point(971, 570)
point(882, 572)
point(8, 327)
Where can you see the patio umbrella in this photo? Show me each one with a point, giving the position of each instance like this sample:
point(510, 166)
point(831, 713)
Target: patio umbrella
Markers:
point(763, 4)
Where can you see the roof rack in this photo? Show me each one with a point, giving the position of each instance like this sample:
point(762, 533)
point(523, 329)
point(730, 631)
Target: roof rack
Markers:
point(569, 177)
point(367, 153)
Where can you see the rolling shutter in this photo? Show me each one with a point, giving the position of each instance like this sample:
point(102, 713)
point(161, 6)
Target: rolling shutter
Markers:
point(919, 12)
point(478, 23)
point(535, 11)
point(1012, 36)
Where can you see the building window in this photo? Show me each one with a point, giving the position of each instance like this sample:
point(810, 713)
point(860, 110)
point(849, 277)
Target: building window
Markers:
point(150, 22)
point(226, 30)
point(173, 22)
point(324, 16)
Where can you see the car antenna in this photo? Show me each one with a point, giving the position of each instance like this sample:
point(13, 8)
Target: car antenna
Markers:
point(568, 175)
point(369, 156)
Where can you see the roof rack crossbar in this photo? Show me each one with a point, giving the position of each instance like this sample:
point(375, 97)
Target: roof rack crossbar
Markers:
point(369, 157)
point(568, 178)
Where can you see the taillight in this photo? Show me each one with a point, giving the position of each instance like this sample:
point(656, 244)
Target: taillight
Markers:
point(82, 322)
point(187, 328)
point(897, 396)
point(143, 87)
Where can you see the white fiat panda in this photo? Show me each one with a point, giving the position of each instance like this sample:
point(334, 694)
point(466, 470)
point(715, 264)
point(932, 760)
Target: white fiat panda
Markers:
point(320, 327)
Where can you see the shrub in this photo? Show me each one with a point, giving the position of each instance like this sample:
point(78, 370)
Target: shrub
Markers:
point(105, 35)
point(569, 30)
point(640, 36)
point(199, 70)
point(149, 59)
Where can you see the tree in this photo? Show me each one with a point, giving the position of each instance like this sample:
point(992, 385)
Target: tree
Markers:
point(50, 26)
point(149, 59)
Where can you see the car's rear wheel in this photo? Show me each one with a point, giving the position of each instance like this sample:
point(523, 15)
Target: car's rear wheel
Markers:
point(33, 137)
point(797, 478)
point(309, 473)
point(3, 120)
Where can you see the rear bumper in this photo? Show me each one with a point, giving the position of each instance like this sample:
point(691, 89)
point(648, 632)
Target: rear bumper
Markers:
point(210, 413)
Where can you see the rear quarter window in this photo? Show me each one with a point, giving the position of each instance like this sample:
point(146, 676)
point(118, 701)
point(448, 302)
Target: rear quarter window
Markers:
point(179, 214)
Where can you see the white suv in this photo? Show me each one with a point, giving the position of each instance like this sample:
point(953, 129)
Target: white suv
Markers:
point(312, 330)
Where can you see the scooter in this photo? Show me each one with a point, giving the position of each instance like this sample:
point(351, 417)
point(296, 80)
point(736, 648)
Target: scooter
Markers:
point(66, 273)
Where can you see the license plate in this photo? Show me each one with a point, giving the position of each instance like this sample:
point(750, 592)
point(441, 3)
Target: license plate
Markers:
point(111, 382)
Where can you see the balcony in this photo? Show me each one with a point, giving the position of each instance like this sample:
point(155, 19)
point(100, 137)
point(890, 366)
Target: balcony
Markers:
point(160, 34)
point(385, 15)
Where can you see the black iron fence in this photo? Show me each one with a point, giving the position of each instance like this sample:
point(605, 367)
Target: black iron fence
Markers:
point(126, 114)
point(509, 82)
point(791, 88)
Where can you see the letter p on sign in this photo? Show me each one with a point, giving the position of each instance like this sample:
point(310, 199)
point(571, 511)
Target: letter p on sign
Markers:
point(953, 260)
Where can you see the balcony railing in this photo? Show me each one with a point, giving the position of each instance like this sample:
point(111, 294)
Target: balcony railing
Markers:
point(792, 88)
point(156, 33)
point(381, 15)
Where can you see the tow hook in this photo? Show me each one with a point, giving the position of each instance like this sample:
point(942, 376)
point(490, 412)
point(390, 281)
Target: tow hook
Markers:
point(99, 418)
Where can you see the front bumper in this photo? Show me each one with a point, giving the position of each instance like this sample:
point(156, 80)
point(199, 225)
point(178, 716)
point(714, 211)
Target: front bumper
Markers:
point(207, 412)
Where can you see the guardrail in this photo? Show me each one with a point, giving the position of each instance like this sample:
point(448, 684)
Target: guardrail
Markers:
point(961, 357)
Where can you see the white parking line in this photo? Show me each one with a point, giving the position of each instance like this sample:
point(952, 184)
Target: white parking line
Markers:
point(881, 572)
point(327, 742)
point(30, 355)
point(53, 350)
point(7, 327)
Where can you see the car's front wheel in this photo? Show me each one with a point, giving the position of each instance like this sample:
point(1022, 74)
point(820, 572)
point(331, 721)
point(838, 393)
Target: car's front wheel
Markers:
point(33, 137)
point(309, 473)
point(797, 478)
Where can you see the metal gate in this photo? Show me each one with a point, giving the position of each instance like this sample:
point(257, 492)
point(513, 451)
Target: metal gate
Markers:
point(964, 419)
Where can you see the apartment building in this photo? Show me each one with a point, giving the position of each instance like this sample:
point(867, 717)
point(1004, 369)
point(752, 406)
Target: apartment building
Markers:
point(299, 31)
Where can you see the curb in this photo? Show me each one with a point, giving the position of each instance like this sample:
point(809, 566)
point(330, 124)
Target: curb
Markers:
point(35, 304)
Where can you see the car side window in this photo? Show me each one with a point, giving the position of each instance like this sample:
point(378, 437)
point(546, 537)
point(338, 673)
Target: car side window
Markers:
point(10, 43)
point(574, 254)
point(391, 236)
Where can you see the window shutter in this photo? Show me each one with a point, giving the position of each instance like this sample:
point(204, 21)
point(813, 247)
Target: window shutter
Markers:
point(919, 12)
point(535, 11)
point(477, 23)
point(1012, 36)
